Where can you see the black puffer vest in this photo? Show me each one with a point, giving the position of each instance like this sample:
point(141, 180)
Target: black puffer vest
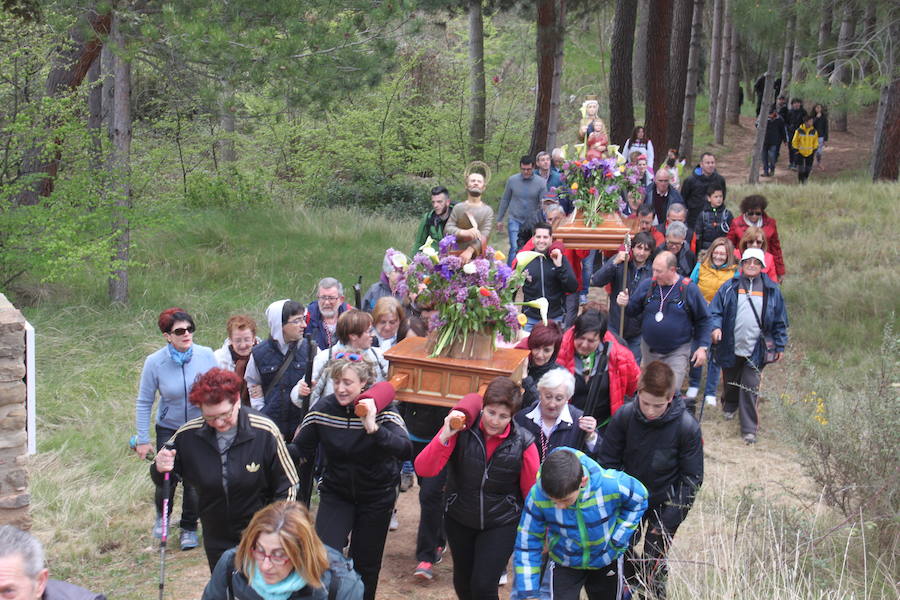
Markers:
point(485, 496)
point(278, 407)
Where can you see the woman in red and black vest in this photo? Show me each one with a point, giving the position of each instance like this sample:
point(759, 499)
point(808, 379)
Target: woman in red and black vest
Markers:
point(491, 465)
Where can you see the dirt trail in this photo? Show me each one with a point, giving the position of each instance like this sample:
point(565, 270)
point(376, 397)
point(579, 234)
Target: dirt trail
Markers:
point(844, 152)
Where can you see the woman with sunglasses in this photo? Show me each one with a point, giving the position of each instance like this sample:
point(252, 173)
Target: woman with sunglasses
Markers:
point(753, 214)
point(169, 372)
point(362, 455)
point(354, 334)
point(754, 237)
point(280, 556)
point(233, 456)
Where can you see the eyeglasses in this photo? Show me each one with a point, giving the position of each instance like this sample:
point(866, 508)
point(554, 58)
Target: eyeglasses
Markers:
point(277, 558)
point(753, 213)
point(182, 330)
point(299, 321)
point(351, 356)
point(329, 298)
point(219, 417)
point(754, 242)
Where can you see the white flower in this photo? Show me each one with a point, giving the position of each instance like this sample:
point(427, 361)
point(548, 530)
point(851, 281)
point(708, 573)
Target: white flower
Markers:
point(525, 257)
point(541, 304)
point(399, 260)
point(469, 268)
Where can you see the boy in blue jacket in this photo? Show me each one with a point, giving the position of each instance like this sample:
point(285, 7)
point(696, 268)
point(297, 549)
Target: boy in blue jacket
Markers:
point(590, 514)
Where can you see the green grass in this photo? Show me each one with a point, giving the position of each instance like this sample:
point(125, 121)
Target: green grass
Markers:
point(92, 497)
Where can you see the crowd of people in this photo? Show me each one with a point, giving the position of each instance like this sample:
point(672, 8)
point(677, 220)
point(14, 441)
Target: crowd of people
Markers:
point(564, 472)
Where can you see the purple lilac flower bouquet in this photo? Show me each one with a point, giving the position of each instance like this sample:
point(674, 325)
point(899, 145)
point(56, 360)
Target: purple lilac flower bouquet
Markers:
point(599, 186)
point(476, 297)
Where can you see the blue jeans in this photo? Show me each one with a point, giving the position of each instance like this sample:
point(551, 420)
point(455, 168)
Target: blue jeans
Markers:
point(770, 157)
point(532, 322)
point(587, 269)
point(512, 229)
point(712, 376)
point(634, 344)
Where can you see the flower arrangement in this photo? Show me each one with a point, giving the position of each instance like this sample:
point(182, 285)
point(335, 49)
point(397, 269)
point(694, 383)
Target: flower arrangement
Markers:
point(599, 186)
point(475, 297)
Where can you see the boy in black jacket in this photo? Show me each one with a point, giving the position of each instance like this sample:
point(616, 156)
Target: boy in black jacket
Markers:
point(715, 220)
point(655, 440)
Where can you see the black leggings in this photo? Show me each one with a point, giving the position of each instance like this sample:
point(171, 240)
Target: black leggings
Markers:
point(189, 502)
point(365, 522)
point(479, 558)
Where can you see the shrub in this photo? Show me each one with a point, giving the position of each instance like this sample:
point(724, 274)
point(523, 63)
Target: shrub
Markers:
point(229, 189)
point(374, 193)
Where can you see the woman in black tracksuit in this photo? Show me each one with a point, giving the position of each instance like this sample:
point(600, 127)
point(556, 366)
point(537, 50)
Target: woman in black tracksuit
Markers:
point(363, 457)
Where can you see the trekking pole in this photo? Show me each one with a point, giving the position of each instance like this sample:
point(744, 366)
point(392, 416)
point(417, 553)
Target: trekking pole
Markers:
point(624, 284)
point(306, 470)
point(166, 488)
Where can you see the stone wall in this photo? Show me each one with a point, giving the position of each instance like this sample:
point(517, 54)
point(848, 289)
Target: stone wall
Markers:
point(14, 497)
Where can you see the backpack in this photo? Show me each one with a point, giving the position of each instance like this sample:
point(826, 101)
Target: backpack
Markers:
point(342, 574)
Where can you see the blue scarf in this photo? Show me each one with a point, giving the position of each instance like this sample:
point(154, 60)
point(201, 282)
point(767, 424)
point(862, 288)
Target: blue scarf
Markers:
point(276, 591)
point(181, 358)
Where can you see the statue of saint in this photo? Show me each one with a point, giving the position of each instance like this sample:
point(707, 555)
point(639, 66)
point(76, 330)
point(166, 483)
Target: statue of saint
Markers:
point(597, 140)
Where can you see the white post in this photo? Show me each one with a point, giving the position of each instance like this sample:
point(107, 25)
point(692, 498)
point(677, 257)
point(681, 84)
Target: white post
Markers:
point(30, 406)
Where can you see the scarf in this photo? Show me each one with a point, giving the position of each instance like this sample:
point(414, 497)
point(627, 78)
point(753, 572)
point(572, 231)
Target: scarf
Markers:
point(277, 591)
point(240, 367)
point(181, 358)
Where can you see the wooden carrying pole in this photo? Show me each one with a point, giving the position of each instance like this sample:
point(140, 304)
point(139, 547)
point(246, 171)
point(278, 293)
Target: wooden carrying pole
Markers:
point(624, 284)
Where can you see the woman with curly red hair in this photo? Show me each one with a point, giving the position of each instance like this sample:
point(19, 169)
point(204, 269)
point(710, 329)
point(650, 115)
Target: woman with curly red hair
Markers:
point(232, 455)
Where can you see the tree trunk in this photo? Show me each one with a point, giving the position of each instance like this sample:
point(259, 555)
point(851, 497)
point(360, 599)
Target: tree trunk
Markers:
point(733, 108)
point(768, 99)
point(658, 40)
point(686, 143)
point(621, 103)
point(107, 66)
point(226, 122)
point(885, 163)
point(789, 39)
point(715, 60)
point(558, 57)
point(639, 64)
point(476, 85)
point(678, 68)
point(840, 74)
point(120, 163)
point(870, 21)
point(95, 114)
point(824, 43)
point(546, 51)
point(70, 66)
point(724, 72)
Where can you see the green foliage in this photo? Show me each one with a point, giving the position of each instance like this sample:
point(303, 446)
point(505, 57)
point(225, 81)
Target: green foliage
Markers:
point(849, 97)
point(372, 193)
point(229, 188)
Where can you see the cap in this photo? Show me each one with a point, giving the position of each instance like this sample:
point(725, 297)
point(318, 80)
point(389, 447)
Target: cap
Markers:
point(754, 253)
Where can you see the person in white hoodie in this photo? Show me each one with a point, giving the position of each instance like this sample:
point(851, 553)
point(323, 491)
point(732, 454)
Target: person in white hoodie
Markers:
point(277, 364)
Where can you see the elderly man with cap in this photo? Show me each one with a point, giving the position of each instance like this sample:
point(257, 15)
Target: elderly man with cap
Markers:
point(749, 326)
point(23, 575)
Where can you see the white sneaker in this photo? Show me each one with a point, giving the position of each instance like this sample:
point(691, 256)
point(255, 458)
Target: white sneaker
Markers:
point(504, 579)
point(691, 393)
point(710, 400)
point(395, 523)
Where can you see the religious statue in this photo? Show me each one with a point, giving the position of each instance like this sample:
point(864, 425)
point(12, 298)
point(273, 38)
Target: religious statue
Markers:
point(597, 140)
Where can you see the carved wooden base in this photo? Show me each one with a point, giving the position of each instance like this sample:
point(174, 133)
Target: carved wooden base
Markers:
point(443, 381)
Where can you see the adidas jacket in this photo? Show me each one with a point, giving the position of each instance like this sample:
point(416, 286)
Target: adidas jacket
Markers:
point(258, 466)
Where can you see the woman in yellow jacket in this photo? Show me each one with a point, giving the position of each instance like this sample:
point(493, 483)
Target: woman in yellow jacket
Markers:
point(717, 266)
point(805, 142)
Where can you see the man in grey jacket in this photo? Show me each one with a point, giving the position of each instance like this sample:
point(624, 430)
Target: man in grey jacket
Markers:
point(522, 198)
point(23, 575)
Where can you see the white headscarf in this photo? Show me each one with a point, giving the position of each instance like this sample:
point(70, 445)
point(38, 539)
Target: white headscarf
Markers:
point(273, 315)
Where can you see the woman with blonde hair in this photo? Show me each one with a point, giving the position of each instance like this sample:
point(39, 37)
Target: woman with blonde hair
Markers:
point(362, 438)
point(717, 267)
point(755, 237)
point(389, 322)
point(281, 557)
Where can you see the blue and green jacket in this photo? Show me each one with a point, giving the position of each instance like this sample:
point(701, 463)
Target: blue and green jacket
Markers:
point(590, 534)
